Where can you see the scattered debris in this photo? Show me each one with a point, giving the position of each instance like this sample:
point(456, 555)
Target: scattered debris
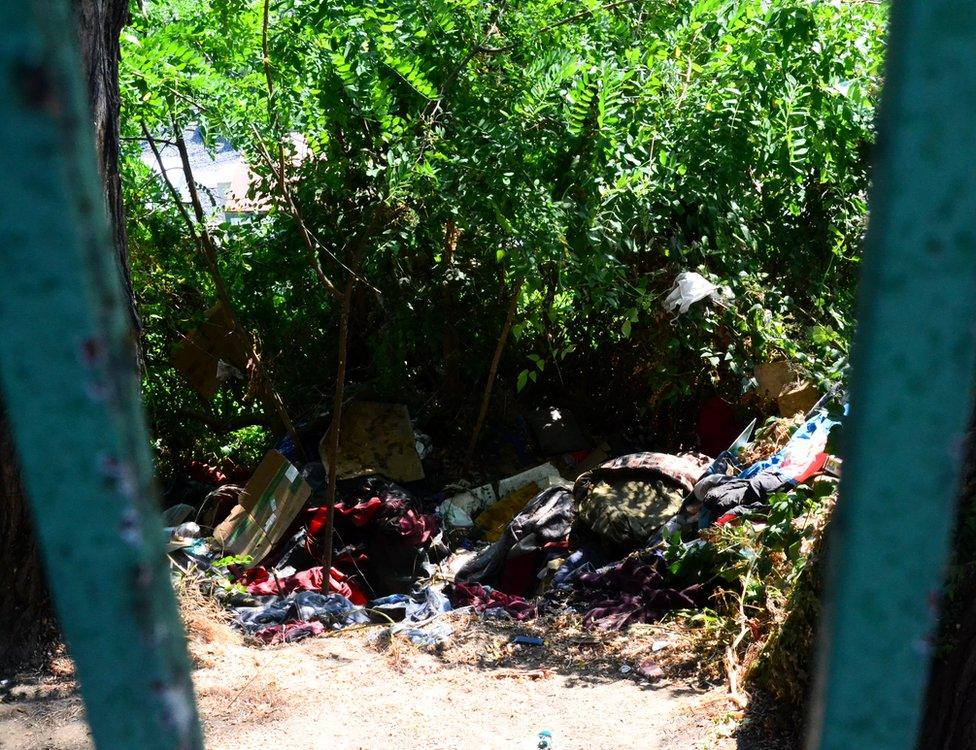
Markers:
point(268, 505)
point(376, 439)
point(634, 540)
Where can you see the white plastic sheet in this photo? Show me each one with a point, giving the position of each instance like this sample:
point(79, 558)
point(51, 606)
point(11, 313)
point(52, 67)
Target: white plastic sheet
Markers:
point(691, 287)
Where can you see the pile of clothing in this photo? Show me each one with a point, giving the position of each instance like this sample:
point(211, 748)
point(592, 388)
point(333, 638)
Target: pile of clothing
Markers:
point(280, 619)
point(637, 590)
point(382, 537)
point(536, 535)
point(592, 546)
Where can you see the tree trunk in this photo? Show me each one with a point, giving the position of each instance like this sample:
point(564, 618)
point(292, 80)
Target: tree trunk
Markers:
point(100, 23)
point(949, 721)
point(27, 630)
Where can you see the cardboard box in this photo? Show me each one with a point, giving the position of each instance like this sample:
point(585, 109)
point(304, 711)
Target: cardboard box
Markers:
point(375, 439)
point(798, 400)
point(267, 507)
point(773, 378)
point(202, 351)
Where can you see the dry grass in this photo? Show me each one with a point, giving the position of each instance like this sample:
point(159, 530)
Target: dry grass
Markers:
point(568, 649)
point(207, 623)
point(769, 439)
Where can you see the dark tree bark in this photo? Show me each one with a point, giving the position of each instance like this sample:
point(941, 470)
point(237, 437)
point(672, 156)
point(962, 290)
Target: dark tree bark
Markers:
point(949, 722)
point(27, 629)
point(100, 23)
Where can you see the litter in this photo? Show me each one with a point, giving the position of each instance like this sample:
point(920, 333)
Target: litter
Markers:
point(268, 505)
point(620, 546)
point(691, 287)
point(541, 476)
point(376, 439)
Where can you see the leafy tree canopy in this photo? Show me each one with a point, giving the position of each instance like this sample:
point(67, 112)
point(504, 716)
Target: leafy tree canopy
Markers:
point(580, 153)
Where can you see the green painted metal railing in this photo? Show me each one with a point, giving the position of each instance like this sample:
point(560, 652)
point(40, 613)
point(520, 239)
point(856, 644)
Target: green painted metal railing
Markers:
point(911, 390)
point(67, 368)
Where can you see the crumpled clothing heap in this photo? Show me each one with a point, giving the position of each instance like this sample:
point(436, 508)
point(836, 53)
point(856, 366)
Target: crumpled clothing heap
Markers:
point(332, 610)
point(375, 505)
point(416, 616)
point(626, 500)
point(381, 532)
point(260, 582)
point(513, 562)
point(414, 608)
point(721, 495)
point(632, 591)
point(482, 598)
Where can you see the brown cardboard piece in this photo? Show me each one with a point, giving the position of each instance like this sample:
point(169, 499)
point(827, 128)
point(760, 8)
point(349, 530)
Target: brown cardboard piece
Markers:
point(199, 354)
point(780, 382)
point(375, 439)
point(268, 505)
point(801, 398)
point(773, 377)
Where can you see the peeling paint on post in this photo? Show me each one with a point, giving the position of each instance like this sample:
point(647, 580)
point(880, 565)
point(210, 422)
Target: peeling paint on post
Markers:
point(911, 390)
point(68, 377)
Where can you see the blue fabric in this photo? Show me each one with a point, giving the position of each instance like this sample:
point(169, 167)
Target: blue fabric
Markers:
point(332, 609)
point(413, 608)
point(817, 428)
point(586, 558)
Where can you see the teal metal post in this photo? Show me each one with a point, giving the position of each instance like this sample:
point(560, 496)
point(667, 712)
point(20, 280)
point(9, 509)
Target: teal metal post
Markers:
point(911, 394)
point(68, 380)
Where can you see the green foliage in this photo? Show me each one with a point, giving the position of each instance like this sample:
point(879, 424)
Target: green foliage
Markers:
point(226, 562)
point(591, 157)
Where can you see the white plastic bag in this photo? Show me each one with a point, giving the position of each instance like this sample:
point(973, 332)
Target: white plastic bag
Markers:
point(689, 288)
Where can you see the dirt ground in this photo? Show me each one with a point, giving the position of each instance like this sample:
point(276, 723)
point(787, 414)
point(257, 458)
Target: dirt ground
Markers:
point(363, 690)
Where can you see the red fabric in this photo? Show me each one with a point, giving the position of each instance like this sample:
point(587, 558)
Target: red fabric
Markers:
point(352, 557)
point(815, 467)
point(416, 529)
point(317, 519)
point(717, 426)
point(361, 513)
point(482, 598)
point(260, 582)
point(727, 518)
point(201, 472)
point(562, 544)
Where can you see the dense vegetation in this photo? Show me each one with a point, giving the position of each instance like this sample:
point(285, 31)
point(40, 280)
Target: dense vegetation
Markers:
point(572, 156)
